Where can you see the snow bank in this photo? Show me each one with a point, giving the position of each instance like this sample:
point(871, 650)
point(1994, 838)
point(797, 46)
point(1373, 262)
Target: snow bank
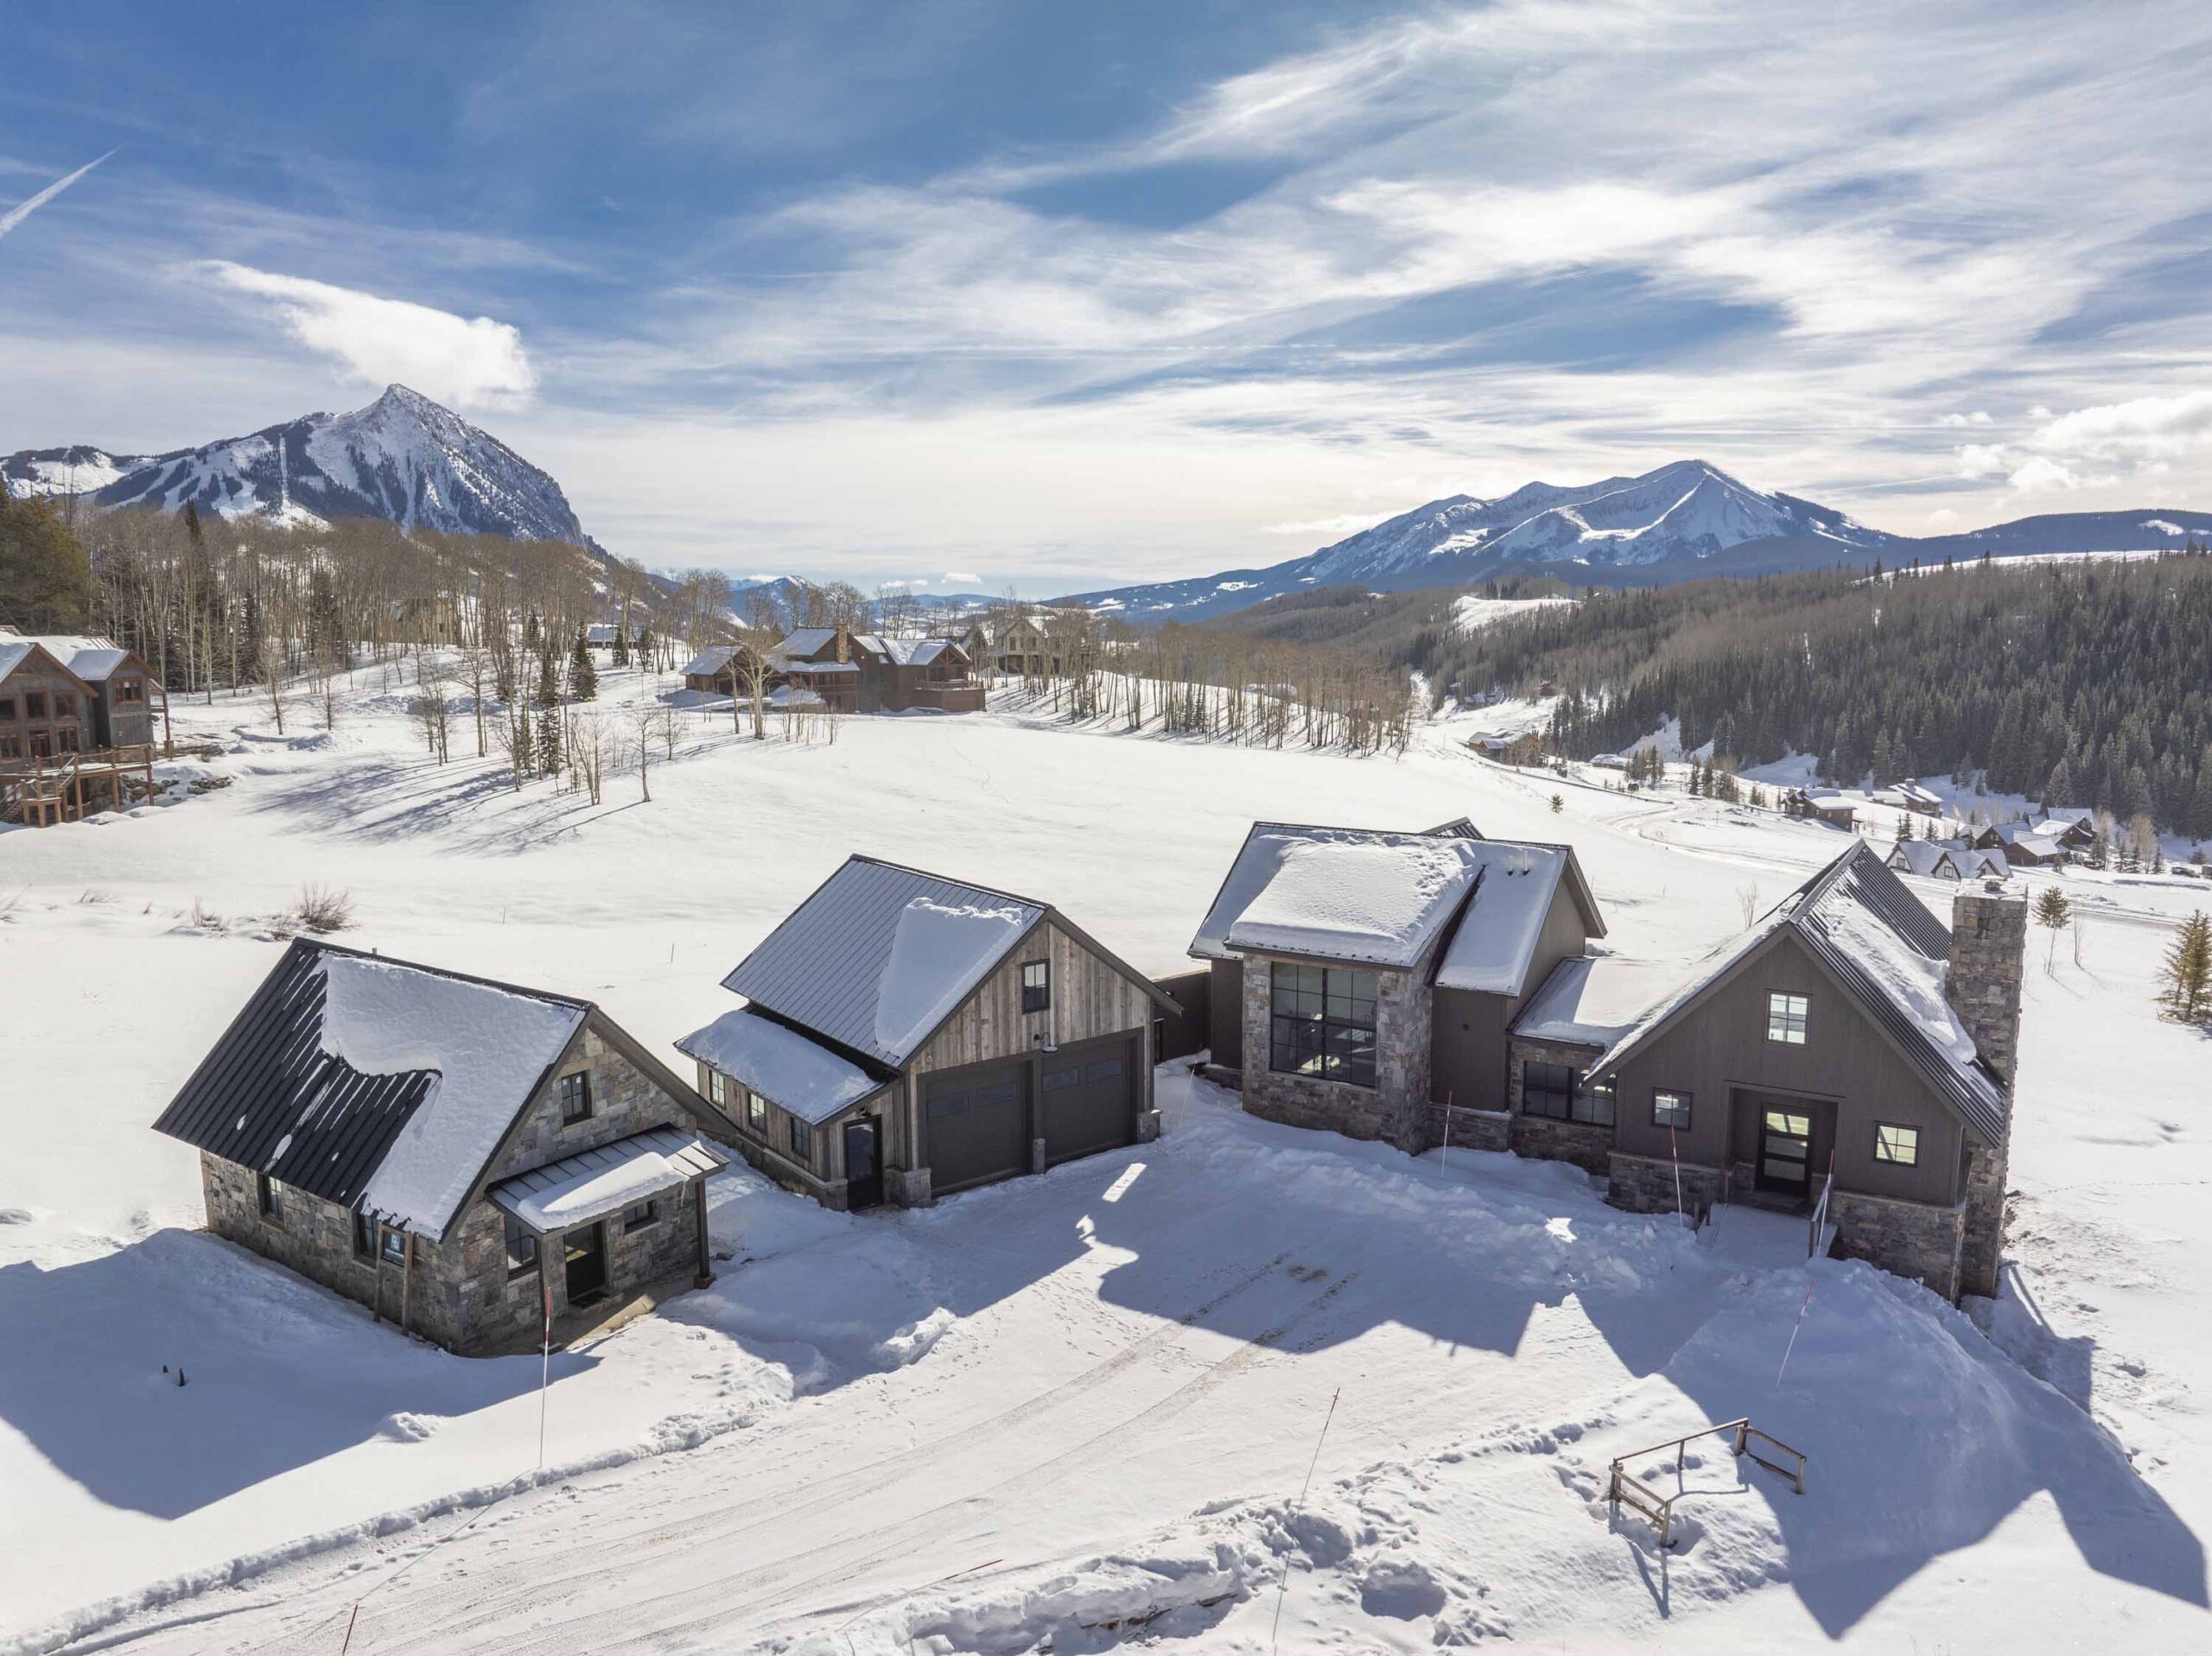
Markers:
point(487, 1047)
point(939, 952)
point(1358, 900)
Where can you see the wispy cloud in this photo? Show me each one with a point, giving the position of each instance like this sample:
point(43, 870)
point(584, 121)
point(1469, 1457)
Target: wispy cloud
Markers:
point(472, 362)
point(24, 210)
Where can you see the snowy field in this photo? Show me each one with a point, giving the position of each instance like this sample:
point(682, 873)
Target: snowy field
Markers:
point(1076, 1413)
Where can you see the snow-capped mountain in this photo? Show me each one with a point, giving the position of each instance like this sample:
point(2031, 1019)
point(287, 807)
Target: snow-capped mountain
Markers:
point(403, 459)
point(1679, 522)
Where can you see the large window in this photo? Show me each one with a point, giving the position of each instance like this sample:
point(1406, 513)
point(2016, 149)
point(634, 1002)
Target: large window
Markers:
point(1324, 1023)
point(1898, 1145)
point(522, 1247)
point(1785, 1019)
point(35, 704)
point(575, 1098)
point(1671, 1110)
point(1036, 986)
point(1558, 1092)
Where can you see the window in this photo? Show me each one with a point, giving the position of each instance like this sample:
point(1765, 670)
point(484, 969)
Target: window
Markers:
point(575, 1098)
point(1323, 1024)
point(35, 704)
point(1056, 1078)
point(1898, 1145)
point(269, 1197)
point(638, 1214)
point(1036, 986)
point(365, 1235)
point(129, 690)
point(717, 1088)
point(1104, 1070)
point(67, 737)
point(7, 706)
point(522, 1247)
point(1557, 1092)
point(11, 746)
point(802, 1139)
point(756, 1112)
point(394, 1246)
point(1785, 1019)
point(64, 706)
point(1671, 1110)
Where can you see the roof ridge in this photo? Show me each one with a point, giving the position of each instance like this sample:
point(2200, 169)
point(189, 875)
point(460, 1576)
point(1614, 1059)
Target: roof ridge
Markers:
point(945, 879)
point(550, 995)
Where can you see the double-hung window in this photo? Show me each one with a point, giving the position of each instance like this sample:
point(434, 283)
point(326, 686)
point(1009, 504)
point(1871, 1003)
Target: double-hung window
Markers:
point(1899, 1146)
point(1323, 1024)
point(1785, 1019)
point(1036, 986)
point(717, 1088)
point(1671, 1110)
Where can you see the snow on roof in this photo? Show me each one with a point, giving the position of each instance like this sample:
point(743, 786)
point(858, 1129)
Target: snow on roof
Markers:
point(1265, 846)
point(89, 656)
point(1380, 900)
point(819, 669)
point(488, 1047)
point(780, 1064)
point(805, 641)
point(1595, 1000)
point(710, 662)
point(12, 652)
point(593, 1184)
point(1496, 937)
point(880, 954)
point(2070, 815)
point(1924, 857)
point(915, 652)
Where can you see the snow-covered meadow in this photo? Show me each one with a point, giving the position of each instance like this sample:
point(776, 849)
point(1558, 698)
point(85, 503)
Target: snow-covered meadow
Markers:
point(1066, 1413)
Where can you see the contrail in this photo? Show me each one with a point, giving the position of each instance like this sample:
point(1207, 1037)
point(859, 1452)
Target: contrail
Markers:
point(16, 215)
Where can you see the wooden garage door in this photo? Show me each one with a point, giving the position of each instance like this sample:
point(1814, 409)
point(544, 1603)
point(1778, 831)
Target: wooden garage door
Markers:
point(1089, 1099)
point(977, 1126)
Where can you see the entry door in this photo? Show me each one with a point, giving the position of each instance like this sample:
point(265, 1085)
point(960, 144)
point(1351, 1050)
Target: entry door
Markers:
point(1785, 1146)
point(863, 1165)
point(585, 1251)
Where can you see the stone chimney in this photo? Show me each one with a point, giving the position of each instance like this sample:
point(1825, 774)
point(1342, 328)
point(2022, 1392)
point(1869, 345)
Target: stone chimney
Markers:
point(1989, 940)
point(845, 649)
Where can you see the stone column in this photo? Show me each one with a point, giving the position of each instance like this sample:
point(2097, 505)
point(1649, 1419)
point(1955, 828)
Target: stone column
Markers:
point(1989, 940)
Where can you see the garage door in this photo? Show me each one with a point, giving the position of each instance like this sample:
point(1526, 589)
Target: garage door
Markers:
point(977, 1126)
point(1090, 1099)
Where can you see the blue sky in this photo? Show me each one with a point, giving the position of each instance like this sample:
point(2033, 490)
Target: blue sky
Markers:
point(1057, 296)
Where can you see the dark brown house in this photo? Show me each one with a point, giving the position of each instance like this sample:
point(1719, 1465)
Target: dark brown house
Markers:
point(861, 672)
point(906, 1036)
point(469, 1158)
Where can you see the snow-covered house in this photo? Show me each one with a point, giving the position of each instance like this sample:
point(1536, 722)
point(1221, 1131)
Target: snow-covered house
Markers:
point(602, 635)
point(470, 1159)
point(861, 672)
point(1930, 860)
point(2074, 827)
point(1368, 982)
point(2022, 844)
point(1824, 805)
point(121, 691)
point(1849, 1045)
point(905, 1035)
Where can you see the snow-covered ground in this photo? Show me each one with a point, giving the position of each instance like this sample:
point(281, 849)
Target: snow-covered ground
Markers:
point(1067, 1413)
point(1473, 612)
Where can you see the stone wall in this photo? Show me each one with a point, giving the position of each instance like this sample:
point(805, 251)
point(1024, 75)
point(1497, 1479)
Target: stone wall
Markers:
point(1395, 1110)
point(1586, 1144)
point(314, 1237)
point(1640, 1185)
point(1470, 1128)
point(1989, 940)
point(1982, 1241)
point(1912, 1238)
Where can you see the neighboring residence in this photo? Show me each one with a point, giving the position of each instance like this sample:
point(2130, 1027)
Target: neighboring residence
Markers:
point(1931, 860)
point(474, 1160)
point(1911, 796)
point(720, 670)
point(1368, 982)
point(1029, 644)
point(1848, 1047)
point(905, 1036)
point(861, 672)
point(602, 635)
point(1822, 805)
point(2074, 827)
point(2022, 845)
point(124, 693)
point(45, 708)
point(1516, 747)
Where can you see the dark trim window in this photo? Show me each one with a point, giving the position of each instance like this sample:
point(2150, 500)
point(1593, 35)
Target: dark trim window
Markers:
point(7, 706)
point(64, 706)
point(129, 690)
point(1036, 986)
point(269, 1197)
point(638, 1214)
point(1323, 1024)
point(802, 1139)
point(1671, 1110)
point(717, 1088)
point(522, 1247)
point(575, 1098)
point(365, 1235)
point(35, 704)
point(756, 1112)
point(1558, 1092)
point(395, 1245)
point(1785, 1019)
point(1898, 1145)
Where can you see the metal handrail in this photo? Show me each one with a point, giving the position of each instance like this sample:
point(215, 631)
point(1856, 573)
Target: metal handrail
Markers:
point(1624, 1486)
point(1820, 1216)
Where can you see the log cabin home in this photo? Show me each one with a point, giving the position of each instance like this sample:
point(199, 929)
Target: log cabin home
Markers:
point(905, 1036)
point(863, 672)
point(486, 1165)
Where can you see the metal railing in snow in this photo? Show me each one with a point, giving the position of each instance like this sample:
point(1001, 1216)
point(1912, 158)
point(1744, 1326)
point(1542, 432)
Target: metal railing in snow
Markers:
point(1820, 1217)
point(1623, 1488)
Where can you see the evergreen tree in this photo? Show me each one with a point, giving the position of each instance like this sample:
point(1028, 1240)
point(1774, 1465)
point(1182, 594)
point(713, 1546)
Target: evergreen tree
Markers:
point(583, 677)
point(45, 579)
point(1558, 804)
point(645, 646)
point(2185, 978)
point(622, 642)
point(549, 716)
point(2055, 912)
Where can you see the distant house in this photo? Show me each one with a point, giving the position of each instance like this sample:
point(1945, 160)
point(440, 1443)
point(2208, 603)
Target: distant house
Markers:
point(1927, 859)
point(905, 1036)
point(1508, 747)
point(602, 635)
point(1847, 1044)
point(1911, 796)
point(719, 670)
point(2074, 827)
point(1367, 981)
point(1611, 761)
point(45, 708)
point(75, 728)
point(2022, 845)
point(1822, 805)
point(863, 672)
point(1030, 644)
point(469, 1158)
point(124, 693)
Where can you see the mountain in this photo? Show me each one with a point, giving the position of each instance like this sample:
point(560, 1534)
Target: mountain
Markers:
point(403, 459)
point(1683, 522)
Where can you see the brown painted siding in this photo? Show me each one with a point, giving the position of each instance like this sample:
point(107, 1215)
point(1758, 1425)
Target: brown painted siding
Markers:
point(1225, 1016)
point(1719, 1050)
point(1469, 1033)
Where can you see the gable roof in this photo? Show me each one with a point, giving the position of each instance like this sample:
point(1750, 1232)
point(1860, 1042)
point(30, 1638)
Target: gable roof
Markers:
point(1926, 857)
point(21, 652)
point(1496, 941)
point(1886, 952)
point(879, 956)
point(379, 1084)
point(710, 663)
point(785, 1066)
point(91, 657)
point(1594, 1000)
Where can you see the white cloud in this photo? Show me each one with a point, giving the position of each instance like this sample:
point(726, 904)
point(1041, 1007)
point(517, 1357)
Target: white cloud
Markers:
point(1350, 523)
point(467, 362)
point(2043, 475)
point(1981, 460)
point(1979, 418)
point(2146, 430)
point(1943, 515)
point(24, 210)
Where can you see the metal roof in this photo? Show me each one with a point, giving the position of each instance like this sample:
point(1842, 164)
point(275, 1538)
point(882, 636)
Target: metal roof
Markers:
point(686, 1154)
point(828, 966)
point(268, 1097)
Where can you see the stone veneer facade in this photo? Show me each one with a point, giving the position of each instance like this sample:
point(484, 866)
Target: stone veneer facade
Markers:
point(1587, 1143)
point(1395, 1110)
point(1989, 941)
point(459, 1291)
